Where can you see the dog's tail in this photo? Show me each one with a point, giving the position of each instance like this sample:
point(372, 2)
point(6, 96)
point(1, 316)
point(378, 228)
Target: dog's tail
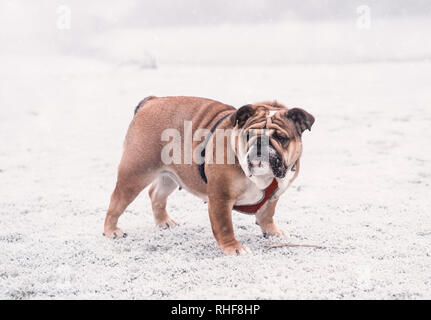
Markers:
point(142, 102)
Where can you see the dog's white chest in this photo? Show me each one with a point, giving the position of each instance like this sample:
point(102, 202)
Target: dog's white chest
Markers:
point(252, 195)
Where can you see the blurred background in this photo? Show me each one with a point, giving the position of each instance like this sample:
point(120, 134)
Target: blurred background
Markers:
point(151, 33)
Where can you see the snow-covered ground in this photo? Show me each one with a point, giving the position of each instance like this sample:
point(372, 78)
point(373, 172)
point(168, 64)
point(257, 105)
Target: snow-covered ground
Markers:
point(363, 190)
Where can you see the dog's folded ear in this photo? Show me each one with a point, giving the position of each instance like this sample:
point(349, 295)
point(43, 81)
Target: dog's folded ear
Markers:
point(241, 115)
point(302, 119)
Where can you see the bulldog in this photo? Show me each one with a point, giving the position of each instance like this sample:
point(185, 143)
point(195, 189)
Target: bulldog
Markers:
point(240, 160)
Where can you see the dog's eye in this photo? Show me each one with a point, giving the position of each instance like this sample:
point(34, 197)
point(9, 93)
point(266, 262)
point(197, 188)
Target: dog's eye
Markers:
point(280, 138)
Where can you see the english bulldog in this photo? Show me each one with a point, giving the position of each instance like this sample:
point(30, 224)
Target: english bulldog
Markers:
point(233, 159)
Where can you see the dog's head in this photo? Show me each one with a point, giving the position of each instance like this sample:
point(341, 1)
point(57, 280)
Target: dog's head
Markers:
point(269, 137)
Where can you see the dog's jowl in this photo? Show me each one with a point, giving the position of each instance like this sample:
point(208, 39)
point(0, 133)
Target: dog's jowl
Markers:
point(239, 160)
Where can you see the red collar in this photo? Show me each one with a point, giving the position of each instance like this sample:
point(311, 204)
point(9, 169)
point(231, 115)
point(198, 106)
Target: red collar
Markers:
point(269, 191)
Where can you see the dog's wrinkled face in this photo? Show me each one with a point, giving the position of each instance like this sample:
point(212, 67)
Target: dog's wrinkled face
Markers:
point(269, 140)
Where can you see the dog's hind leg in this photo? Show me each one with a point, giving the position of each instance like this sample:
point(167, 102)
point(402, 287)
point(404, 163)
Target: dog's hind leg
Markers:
point(159, 191)
point(129, 185)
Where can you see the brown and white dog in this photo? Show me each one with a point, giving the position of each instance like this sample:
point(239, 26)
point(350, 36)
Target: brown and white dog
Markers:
point(265, 139)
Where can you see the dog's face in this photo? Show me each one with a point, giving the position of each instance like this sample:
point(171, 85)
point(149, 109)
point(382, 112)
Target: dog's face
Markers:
point(269, 138)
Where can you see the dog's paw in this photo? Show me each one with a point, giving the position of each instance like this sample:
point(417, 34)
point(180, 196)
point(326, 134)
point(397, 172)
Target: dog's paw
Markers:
point(274, 232)
point(235, 249)
point(166, 223)
point(117, 233)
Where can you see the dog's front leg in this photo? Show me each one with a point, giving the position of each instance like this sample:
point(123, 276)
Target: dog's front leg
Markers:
point(220, 211)
point(264, 218)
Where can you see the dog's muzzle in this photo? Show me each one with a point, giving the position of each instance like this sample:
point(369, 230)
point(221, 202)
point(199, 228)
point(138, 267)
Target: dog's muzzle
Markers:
point(263, 159)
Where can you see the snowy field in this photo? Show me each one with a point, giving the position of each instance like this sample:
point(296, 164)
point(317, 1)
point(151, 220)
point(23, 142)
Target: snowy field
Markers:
point(363, 190)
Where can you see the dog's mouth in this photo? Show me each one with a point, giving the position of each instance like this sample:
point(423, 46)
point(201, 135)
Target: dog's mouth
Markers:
point(258, 167)
point(266, 162)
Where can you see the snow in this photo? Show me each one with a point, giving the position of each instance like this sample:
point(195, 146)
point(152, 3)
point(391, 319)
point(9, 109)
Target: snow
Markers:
point(363, 189)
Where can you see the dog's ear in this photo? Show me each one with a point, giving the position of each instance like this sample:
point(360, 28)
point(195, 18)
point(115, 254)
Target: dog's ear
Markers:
point(241, 115)
point(302, 119)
